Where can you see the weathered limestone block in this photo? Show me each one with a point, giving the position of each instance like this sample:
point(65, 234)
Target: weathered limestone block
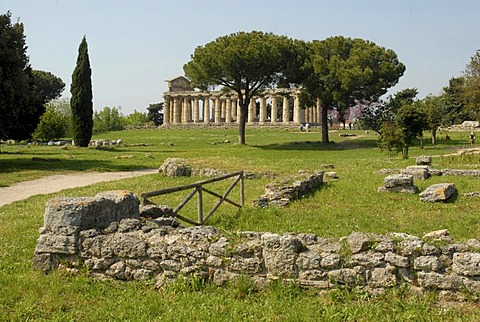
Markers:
point(467, 264)
point(442, 235)
point(59, 244)
point(219, 248)
point(410, 247)
point(308, 261)
point(312, 275)
point(418, 172)
point(359, 242)
point(281, 193)
point(427, 263)
point(432, 280)
point(382, 277)
point(460, 172)
point(346, 276)
point(397, 260)
point(246, 265)
point(70, 215)
point(128, 246)
point(423, 160)
point(367, 259)
point(175, 167)
point(398, 180)
point(438, 192)
point(280, 254)
point(331, 261)
point(398, 183)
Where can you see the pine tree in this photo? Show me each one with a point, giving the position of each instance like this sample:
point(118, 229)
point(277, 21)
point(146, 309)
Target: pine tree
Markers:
point(81, 101)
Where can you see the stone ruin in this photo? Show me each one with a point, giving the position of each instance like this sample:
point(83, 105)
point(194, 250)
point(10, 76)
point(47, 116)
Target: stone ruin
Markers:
point(281, 193)
point(108, 236)
point(403, 182)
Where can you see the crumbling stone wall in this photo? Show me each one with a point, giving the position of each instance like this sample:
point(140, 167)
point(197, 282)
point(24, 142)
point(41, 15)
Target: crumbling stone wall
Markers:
point(108, 235)
point(281, 193)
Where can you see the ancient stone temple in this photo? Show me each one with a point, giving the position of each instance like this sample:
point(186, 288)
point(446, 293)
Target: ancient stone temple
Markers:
point(185, 106)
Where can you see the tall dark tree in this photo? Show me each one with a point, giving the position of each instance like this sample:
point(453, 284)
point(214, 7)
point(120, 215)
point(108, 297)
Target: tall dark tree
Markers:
point(81, 101)
point(455, 109)
point(20, 109)
point(345, 70)
point(245, 63)
point(155, 113)
point(47, 86)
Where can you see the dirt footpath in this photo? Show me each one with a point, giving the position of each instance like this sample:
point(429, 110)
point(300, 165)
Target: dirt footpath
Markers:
point(54, 183)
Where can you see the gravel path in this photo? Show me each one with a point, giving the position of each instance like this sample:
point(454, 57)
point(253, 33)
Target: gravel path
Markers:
point(54, 183)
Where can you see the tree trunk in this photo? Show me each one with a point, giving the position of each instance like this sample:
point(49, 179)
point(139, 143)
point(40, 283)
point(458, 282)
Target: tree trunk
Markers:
point(421, 142)
point(434, 136)
point(324, 124)
point(405, 152)
point(241, 124)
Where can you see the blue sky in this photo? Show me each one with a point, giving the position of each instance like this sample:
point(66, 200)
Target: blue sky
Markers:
point(135, 45)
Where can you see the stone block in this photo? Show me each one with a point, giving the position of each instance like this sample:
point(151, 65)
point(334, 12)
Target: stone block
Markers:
point(438, 192)
point(467, 264)
point(424, 160)
point(418, 172)
point(398, 180)
point(175, 167)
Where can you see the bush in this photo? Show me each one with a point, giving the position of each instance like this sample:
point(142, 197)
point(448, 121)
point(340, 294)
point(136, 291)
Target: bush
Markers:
point(53, 125)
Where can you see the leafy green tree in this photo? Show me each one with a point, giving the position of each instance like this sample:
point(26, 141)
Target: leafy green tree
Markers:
point(345, 70)
point(47, 86)
point(20, 109)
point(135, 119)
point(455, 109)
point(434, 107)
point(81, 101)
point(155, 113)
point(391, 139)
point(375, 114)
point(246, 63)
point(412, 120)
point(53, 125)
point(472, 84)
point(108, 119)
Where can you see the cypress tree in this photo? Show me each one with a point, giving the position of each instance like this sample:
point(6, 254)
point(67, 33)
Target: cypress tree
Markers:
point(81, 101)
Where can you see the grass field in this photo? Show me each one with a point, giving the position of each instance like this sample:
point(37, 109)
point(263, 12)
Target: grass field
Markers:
point(349, 204)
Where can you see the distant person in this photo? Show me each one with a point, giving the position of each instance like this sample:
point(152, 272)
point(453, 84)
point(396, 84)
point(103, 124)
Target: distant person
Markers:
point(472, 139)
point(350, 125)
point(307, 126)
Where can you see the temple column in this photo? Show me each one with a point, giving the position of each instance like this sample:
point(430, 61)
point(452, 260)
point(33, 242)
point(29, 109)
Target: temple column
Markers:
point(252, 108)
point(274, 111)
point(234, 109)
point(263, 109)
point(166, 110)
point(228, 110)
point(177, 110)
point(196, 110)
point(206, 110)
point(319, 111)
point(217, 110)
point(186, 110)
point(285, 112)
point(239, 111)
point(302, 118)
point(296, 109)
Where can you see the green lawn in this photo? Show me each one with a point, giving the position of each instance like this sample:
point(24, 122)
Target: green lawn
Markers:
point(349, 204)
